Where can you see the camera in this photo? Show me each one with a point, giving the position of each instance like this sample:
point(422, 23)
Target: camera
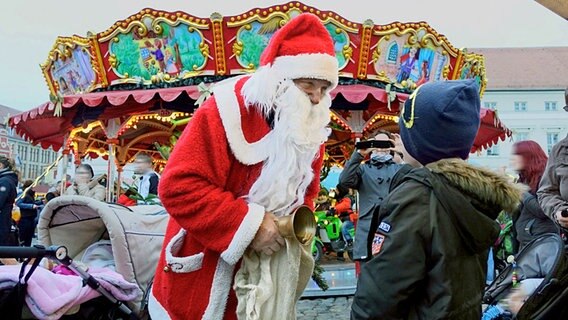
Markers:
point(374, 144)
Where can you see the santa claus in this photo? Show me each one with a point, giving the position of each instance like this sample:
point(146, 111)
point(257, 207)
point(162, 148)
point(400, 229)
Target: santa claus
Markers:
point(251, 153)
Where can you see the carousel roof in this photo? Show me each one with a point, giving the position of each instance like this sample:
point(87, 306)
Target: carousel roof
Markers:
point(153, 61)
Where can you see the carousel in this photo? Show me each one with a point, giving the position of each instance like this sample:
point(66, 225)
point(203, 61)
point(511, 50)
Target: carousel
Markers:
point(134, 87)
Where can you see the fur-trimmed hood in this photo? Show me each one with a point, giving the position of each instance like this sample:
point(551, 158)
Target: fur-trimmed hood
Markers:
point(489, 189)
point(471, 197)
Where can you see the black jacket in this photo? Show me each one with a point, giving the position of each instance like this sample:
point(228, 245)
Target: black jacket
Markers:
point(436, 227)
point(532, 222)
point(8, 183)
point(26, 204)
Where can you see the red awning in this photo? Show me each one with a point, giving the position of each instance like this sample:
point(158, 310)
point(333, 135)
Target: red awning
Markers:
point(357, 93)
point(491, 130)
point(113, 98)
point(41, 126)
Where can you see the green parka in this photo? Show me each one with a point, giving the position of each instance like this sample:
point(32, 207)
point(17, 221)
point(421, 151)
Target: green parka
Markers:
point(435, 230)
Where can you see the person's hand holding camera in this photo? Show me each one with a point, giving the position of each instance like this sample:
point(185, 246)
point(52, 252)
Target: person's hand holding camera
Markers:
point(562, 218)
point(366, 152)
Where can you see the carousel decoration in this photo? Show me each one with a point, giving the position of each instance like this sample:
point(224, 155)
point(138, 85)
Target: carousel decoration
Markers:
point(128, 88)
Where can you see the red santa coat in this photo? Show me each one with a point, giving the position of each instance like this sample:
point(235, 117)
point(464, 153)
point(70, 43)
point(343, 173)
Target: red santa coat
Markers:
point(213, 166)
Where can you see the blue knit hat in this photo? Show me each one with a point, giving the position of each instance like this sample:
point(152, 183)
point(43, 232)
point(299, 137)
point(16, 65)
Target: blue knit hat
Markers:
point(440, 120)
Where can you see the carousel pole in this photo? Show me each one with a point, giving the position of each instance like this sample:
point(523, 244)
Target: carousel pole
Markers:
point(357, 136)
point(65, 153)
point(112, 141)
point(357, 125)
point(111, 168)
point(119, 170)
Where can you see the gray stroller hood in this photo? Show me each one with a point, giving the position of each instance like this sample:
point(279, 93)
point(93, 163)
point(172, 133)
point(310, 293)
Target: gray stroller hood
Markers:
point(135, 233)
point(543, 258)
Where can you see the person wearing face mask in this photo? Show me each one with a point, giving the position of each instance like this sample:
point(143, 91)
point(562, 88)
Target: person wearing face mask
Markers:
point(372, 180)
point(86, 184)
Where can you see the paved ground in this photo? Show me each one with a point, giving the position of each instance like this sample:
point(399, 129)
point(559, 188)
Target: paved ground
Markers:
point(324, 309)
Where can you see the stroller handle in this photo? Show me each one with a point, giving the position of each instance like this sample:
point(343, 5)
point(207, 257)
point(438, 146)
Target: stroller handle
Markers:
point(32, 252)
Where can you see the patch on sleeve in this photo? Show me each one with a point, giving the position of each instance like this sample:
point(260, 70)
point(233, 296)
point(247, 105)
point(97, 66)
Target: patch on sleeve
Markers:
point(378, 241)
point(385, 227)
point(2, 189)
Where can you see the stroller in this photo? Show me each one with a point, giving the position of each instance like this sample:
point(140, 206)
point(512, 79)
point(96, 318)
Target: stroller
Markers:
point(132, 235)
point(543, 258)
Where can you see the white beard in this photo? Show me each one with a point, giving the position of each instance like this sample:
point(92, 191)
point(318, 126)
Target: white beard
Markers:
point(299, 130)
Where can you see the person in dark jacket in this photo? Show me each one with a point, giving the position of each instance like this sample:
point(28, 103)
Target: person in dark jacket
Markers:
point(28, 213)
point(438, 221)
point(371, 179)
point(8, 187)
point(553, 189)
point(529, 160)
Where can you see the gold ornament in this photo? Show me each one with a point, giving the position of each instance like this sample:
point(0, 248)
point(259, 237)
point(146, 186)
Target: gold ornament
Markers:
point(410, 123)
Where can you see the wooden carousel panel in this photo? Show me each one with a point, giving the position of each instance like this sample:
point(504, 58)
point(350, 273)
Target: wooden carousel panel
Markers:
point(155, 46)
point(248, 34)
point(73, 66)
point(410, 54)
point(471, 66)
point(160, 48)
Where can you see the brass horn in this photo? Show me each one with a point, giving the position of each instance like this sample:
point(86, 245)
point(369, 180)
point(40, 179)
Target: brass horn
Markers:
point(301, 224)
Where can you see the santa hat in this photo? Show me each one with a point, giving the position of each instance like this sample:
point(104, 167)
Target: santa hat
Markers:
point(303, 48)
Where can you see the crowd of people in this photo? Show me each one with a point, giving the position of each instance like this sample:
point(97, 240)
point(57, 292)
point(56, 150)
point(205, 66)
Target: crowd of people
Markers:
point(21, 206)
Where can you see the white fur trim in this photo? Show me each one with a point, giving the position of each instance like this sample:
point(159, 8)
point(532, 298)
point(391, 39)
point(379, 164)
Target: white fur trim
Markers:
point(156, 310)
point(313, 66)
point(229, 111)
point(181, 264)
point(244, 235)
point(219, 294)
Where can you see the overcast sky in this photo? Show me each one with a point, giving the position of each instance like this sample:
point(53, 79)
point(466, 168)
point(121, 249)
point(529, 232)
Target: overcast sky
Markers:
point(28, 28)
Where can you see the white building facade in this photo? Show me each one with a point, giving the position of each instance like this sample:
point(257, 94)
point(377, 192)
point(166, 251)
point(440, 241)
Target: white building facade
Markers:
point(531, 115)
point(529, 99)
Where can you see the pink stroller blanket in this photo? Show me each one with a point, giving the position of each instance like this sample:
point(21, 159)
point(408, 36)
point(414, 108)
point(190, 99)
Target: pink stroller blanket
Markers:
point(49, 296)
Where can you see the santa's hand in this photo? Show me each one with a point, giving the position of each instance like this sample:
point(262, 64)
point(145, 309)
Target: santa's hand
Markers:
point(267, 238)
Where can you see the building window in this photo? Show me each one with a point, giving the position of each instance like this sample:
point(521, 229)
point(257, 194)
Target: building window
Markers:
point(490, 105)
point(520, 106)
point(551, 140)
point(550, 106)
point(521, 136)
point(493, 151)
